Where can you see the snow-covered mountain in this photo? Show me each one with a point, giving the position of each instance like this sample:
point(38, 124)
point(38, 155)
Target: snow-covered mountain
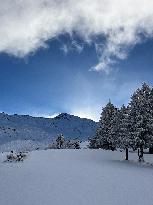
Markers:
point(38, 130)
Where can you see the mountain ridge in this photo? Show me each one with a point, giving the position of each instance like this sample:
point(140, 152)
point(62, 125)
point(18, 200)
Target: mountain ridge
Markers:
point(14, 128)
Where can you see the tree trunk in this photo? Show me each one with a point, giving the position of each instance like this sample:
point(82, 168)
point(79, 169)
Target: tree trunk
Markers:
point(141, 159)
point(127, 154)
point(138, 152)
point(151, 150)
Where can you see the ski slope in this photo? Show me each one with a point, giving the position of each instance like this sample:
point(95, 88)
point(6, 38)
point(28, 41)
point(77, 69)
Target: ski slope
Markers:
point(76, 177)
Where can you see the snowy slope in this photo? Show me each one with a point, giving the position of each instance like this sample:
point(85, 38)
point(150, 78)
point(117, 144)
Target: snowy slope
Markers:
point(17, 129)
point(95, 177)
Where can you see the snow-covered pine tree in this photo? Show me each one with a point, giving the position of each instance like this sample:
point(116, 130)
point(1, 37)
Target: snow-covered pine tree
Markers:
point(92, 142)
point(151, 119)
point(77, 144)
point(106, 133)
point(95, 141)
point(114, 129)
point(124, 139)
point(141, 119)
point(72, 144)
point(60, 141)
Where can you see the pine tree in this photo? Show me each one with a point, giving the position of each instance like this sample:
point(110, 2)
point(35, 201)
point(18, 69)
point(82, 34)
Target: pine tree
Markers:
point(60, 141)
point(95, 141)
point(151, 119)
point(106, 133)
point(124, 139)
point(141, 119)
point(114, 129)
point(92, 143)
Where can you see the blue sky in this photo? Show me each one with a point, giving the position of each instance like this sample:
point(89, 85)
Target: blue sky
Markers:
point(75, 64)
point(51, 81)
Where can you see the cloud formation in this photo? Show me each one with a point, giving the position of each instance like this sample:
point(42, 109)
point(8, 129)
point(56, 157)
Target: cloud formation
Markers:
point(25, 26)
point(74, 46)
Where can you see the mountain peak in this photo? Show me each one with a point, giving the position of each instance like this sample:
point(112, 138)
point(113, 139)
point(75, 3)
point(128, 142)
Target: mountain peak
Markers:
point(63, 116)
point(38, 131)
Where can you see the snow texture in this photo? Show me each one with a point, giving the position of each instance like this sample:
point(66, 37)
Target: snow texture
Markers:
point(72, 177)
point(24, 131)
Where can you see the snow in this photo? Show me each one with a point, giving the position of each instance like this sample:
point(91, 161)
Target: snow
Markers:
point(37, 131)
point(76, 177)
point(84, 144)
point(24, 145)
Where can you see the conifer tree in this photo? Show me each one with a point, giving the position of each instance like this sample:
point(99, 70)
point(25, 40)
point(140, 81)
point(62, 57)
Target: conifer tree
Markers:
point(151, 120)
point(60, 141)
point(124, 139)
point(106, 133)
point(141, 119)
point(95, 141)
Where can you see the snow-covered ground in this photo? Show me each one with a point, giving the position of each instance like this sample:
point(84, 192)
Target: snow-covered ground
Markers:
point(36, 131)
point(76, 177)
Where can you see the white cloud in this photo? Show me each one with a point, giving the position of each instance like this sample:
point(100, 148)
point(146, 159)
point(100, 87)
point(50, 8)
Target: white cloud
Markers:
point(74, 46)
point(25, 26)
point(65, 48)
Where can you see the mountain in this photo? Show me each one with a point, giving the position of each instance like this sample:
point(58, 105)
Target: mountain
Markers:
point(27, 131)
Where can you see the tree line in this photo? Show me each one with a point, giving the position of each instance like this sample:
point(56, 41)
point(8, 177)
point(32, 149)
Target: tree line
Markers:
point(128, 127)
point(61, 143)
